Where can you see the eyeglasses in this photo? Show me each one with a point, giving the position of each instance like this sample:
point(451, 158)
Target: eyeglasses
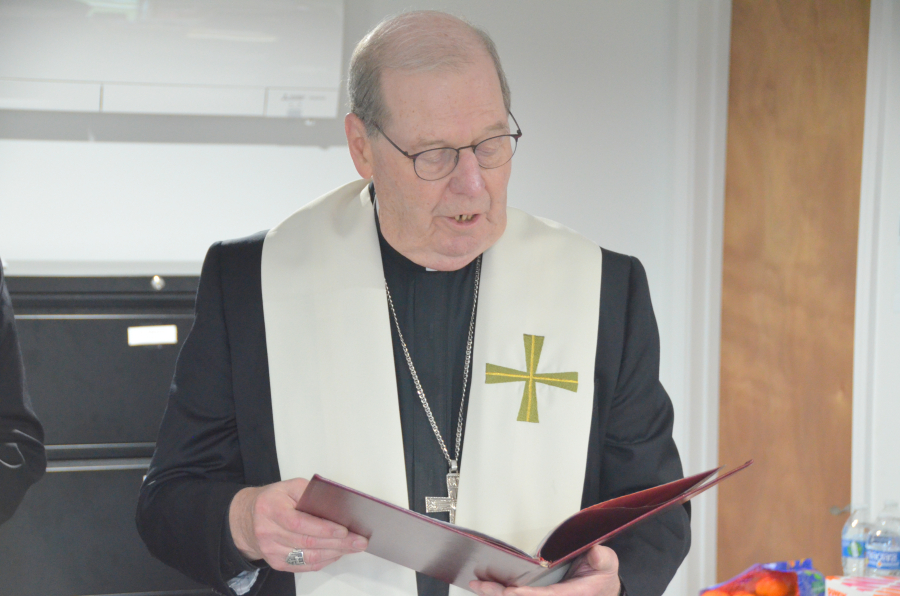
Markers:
point(434, 164)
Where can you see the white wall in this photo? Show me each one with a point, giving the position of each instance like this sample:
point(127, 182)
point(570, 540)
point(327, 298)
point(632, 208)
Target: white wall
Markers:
point(876, 374)
point(130, 202)
point(622, 108)
point(592, 88)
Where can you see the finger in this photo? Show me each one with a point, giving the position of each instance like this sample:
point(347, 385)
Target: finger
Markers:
point(595, 572)
point(351, 544)
point(279, 505)
point(597, 560)
point(322, 533)
point(277, 520)
point(275, 542)
point(271, 533)
point(603, 560)
point(295, 488)
point(320, 528)
point(486, 588)
point(312, 557)
point(595, 585)
point(310, 525)
point(280, 563)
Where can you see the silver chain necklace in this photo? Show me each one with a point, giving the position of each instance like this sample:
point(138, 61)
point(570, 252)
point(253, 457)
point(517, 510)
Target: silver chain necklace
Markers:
point(448, 503)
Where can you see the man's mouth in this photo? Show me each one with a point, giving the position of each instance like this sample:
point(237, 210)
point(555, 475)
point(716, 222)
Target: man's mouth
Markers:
point(465, 217)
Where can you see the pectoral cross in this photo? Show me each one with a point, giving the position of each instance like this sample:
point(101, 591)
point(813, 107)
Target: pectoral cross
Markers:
point(500, 374)
point(448, 503)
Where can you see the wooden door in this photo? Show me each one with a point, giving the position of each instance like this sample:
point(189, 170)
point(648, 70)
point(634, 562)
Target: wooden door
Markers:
point(794, 156)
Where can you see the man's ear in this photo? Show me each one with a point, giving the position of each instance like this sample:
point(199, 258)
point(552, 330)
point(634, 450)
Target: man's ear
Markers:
point(359, 144)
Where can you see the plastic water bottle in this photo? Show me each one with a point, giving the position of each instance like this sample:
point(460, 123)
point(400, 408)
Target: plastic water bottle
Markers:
point(883, 544)
point(853, 541)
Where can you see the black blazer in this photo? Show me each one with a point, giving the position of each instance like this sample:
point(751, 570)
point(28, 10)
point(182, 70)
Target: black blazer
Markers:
point(217, 435)
point(22, 457)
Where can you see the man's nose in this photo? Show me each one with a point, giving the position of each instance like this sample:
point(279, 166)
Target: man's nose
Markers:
point(467, 178)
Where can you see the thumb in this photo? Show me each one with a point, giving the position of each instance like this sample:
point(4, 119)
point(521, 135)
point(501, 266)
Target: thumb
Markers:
point(295, 488)
point(603, 560)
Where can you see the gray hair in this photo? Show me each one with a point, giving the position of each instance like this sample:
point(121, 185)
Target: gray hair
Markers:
point(417, 41)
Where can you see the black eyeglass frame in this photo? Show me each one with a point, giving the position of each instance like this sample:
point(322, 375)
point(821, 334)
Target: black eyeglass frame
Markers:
point(516, 136)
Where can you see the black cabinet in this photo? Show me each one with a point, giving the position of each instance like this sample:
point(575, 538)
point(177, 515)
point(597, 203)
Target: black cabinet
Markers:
point(88, 385)
point(99, 355)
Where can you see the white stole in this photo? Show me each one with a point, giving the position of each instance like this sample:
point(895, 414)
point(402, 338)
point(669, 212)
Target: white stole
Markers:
point(334, 390)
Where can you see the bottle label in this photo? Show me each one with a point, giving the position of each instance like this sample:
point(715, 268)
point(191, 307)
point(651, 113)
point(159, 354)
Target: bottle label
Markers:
point(884, 559)
point(853, 549)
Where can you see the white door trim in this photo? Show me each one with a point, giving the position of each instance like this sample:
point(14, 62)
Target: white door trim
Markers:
point(884, 40)
point(701, 86)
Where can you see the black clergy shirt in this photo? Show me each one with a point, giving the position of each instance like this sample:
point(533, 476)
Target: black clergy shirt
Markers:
point(433, 309)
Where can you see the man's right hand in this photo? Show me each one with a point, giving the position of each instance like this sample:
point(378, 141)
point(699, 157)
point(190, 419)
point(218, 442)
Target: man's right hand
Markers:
point(266, 525)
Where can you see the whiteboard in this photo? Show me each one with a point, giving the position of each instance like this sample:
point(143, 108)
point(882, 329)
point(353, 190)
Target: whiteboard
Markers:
point(276, 58)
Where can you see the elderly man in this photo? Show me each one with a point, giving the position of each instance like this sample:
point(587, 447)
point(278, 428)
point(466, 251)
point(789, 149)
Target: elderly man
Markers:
point(396, 323)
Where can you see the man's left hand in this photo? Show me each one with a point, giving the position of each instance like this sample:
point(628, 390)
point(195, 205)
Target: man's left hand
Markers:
point(594, 574)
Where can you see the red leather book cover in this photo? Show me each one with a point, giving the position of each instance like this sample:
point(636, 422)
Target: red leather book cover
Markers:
point(458, 555)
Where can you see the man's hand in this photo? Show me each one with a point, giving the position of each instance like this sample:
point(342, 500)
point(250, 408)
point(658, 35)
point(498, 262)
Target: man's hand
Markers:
point(594, 574)
point(266, 525)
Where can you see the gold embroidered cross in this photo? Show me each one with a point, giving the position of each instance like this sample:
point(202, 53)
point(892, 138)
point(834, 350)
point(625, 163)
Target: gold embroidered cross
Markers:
point(500, 374)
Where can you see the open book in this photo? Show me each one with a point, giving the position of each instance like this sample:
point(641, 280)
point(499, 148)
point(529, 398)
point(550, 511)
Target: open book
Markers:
point(457, 555)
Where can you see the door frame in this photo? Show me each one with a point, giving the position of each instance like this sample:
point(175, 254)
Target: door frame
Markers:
point(702, 59)
point(882, 104)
